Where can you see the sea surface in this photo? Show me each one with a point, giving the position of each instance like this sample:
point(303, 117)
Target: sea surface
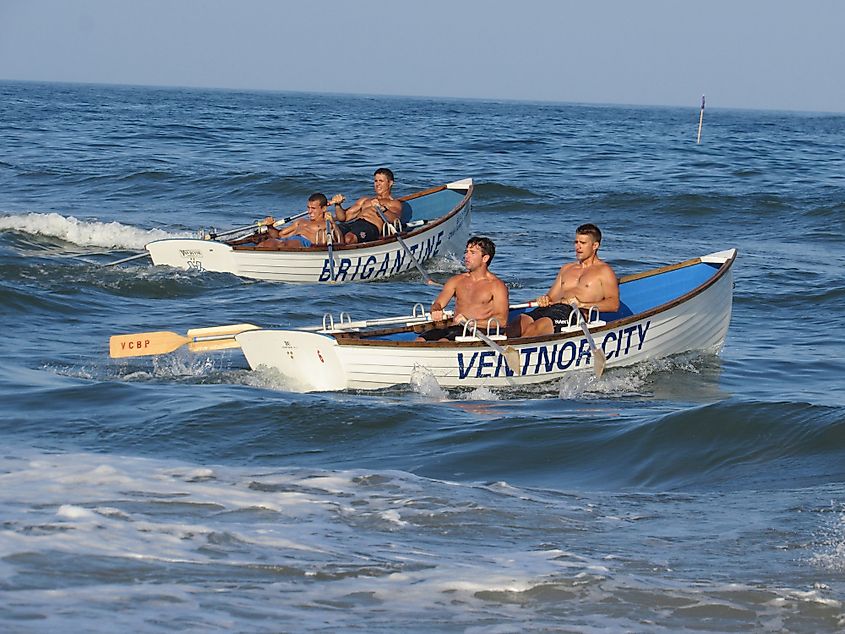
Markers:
point(187, 493)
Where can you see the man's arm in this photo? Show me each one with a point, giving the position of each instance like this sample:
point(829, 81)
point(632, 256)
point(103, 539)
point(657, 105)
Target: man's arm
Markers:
point(610, 285)
point(443, 298)
point(392, 209)
point(501, 303)
point(290, 230)
point(351, 212)
point(554, 293)
point(610, 293)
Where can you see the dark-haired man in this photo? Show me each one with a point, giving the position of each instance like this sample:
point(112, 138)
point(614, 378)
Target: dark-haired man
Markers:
point(304, 232)
point(361, 222)
point(586, 282)
point(479, 294)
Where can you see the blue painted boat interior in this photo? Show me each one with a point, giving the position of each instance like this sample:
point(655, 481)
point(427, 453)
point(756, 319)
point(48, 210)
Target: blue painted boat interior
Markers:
point(649, 292)
point(431, 206)
point(635, 296)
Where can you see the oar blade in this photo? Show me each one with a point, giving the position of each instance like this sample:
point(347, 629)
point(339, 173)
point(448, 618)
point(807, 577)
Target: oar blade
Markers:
point(599, 362)
point(512, 359)
point(144, 344)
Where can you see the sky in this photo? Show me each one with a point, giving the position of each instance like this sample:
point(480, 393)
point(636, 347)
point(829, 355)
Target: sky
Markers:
point(757, 54)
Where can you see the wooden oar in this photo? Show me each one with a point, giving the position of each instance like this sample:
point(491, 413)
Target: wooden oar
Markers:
point(145, 254)
point(198, 339)
point(330, 247)
point(259, 224)
point(427, 277)
point(599, 358)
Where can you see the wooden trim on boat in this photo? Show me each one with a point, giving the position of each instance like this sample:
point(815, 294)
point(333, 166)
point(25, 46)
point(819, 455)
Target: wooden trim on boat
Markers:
point(658, 271)
point(425, 192)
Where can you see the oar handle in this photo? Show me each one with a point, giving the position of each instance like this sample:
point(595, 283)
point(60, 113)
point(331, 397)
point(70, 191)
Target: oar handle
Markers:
point(284, 221)
point(276, 223)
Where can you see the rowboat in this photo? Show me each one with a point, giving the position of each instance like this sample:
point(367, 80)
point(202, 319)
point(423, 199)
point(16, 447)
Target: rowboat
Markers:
point(664, 311)
point(433, 222)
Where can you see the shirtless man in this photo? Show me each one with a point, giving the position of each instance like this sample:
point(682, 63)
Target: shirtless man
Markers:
point(361, 222)
point(478, 294)
point(304, 232)
point(587, 282)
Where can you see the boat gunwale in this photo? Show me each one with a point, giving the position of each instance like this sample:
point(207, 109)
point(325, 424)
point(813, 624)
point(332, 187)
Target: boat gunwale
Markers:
point(354, 338)
point(374, 243)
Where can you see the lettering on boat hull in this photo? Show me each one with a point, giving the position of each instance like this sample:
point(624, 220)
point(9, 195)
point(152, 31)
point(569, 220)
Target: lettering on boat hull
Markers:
point(373, 267)
point(553, 358)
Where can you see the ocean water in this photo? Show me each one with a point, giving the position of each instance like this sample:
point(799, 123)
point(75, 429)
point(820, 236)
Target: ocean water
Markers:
point(187, 493)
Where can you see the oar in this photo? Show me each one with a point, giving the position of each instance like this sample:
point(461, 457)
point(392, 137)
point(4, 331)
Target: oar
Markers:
point(330, 247)
point(408, 320)
point(213, 236)
point(510, 353)
point(427, 277)
point(129, 259)
point(276, 223)
point(598, 354)
point(198, 339)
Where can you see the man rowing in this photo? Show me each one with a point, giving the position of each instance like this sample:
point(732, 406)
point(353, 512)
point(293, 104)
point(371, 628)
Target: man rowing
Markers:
point(300, 233)
point(303, 232)
point(479, 294)
point(587, 282)
point(361, 221)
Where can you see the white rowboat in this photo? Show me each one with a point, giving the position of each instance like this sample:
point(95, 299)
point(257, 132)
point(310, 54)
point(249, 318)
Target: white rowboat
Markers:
point(665, 311)
point(436, 221)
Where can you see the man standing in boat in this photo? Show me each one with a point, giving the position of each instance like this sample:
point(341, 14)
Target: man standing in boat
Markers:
point(479, 294)
point(586, 282)
point(361, 222)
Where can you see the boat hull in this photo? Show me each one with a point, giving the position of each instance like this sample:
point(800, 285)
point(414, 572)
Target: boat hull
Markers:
point(365, 262)
point(697, 319)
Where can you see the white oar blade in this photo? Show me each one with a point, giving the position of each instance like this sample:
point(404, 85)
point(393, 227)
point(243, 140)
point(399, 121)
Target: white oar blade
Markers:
point(599, 361)
point(512, 359)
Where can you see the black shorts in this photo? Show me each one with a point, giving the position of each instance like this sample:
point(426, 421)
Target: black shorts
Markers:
point(450, 332)
point(558, 313)
point(364, 230)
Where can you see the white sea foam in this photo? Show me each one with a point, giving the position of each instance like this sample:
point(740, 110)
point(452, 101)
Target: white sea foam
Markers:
point(482, 393)
point(86, 233)
point(423, 382)
point(312, 549)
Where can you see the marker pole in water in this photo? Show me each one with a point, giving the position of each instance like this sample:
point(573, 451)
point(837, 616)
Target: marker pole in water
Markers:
point(700, 120)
